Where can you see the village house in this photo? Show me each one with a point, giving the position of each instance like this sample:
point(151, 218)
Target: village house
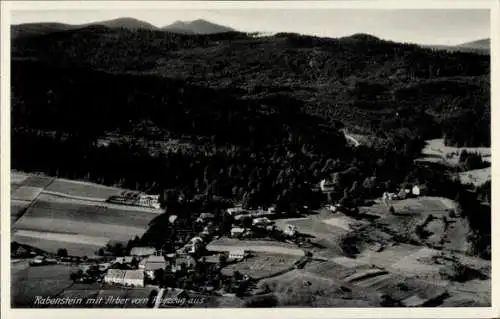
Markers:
point(237, 254)
point(290, 230)
point(237, 231)
point(182, 261)
point(151, 264)
point(124, 260)
point(142, 251)
point(104, 266)
point(131, 278)
point(149, 201)
point(261, 221)
point(194, 245)
point(419, 190)
point(114, 276)
point(234, 210)
point(326, 185)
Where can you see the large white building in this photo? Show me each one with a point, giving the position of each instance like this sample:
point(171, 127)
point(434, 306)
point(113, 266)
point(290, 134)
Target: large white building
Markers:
point(129, 278)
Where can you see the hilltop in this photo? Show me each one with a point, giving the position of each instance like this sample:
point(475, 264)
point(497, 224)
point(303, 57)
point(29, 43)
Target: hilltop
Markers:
point(480, 47)
point(483, 44)
point(198, 26)
point(126, 23)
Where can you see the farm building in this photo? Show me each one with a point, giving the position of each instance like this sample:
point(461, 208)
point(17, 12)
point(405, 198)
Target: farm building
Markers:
point(326, 185)
point(114, 276)
point(234, 210)
point(142, 251)
point(206, 216)
point(237, 254)
point(153, 263)
point(134, 278)
point(291, 230)
point(419, 190)
point(261, 221)
point(237, 231)
point(149, 201)
point(194, 245)
point(124, 260)
point(178, 262)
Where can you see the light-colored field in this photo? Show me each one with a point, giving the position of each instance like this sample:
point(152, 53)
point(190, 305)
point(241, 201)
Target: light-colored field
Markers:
point(52, 246)
point(388, 256)
point(83, 189)
point(38, 281)
point(262, 264)
point(226, 244)
point(17, 208)
point(26, 193)
point(54, 221)
point(102, 206)
point(477, 177)
point(435, 150)
point(18, 177)
point(95, 229)
point(300, 288)
point(342, 221)
point(63, 238)
point(409, 214)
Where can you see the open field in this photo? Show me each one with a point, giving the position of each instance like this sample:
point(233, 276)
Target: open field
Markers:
point(52, 222)
point(74, 248)
point(300, 288)
point(262, 265)
point(435, 151)
point(18, 177)
point(401, 226)
point(477, 177)
point(82, 189)
point(26, 193)
point(17, 209)
point(324, 228)
point(39, 281)
point(37, 181)
point(226, 244)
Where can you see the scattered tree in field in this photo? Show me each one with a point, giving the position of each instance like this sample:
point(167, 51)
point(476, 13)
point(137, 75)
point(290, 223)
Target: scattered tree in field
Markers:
point(62, 252)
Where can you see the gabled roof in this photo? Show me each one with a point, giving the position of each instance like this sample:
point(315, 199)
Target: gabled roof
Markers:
point(134, 274)
point(142, 251)
point(155, 259)
point(115, 273)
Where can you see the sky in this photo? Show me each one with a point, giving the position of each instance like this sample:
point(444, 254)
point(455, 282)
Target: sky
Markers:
point(422, 26)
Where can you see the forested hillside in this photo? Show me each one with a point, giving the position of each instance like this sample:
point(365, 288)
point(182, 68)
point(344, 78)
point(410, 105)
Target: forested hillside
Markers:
point(262, 116)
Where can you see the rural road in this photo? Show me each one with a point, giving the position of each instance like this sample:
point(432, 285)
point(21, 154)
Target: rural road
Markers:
point(352, 139)
point(159, 298)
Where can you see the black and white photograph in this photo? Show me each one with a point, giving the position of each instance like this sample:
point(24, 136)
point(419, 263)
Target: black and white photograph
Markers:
point(223, 157)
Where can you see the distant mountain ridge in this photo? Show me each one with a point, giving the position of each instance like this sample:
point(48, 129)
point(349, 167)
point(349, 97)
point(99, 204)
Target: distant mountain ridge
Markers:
point(198, 26)
point(478, 46)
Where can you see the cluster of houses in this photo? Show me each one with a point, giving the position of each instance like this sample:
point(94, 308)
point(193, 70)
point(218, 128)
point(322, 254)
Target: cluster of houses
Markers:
point(149, 260)
point(415, 191)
